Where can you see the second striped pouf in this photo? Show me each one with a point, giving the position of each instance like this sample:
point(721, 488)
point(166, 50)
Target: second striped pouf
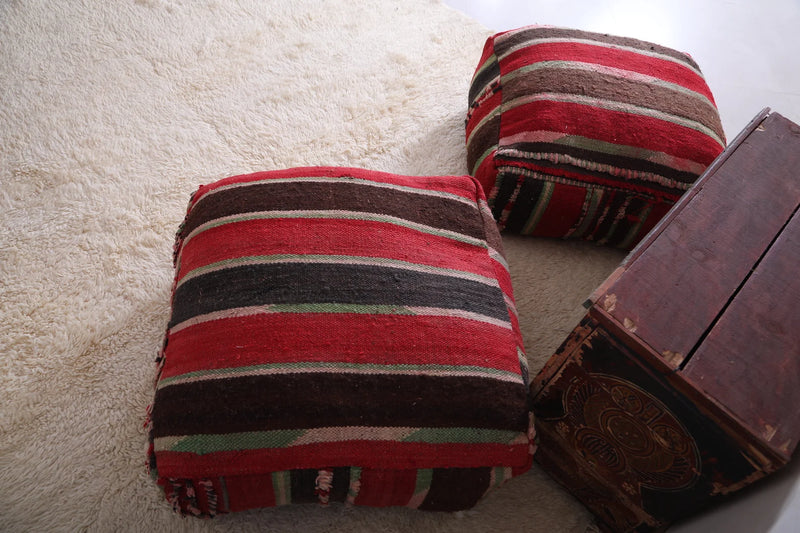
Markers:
point(339, 335)
point(584, 135)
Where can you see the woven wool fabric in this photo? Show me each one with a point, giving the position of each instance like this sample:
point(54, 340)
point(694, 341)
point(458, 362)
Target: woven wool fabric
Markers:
point(339, 335)
point(583, 135)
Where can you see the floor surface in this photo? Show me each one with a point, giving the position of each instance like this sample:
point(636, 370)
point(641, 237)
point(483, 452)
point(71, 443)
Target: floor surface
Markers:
point(749, 53)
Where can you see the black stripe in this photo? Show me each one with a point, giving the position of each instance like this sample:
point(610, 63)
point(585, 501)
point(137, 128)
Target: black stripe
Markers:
point(606, 215)
point(526, 200)
point(506, 185)
point(298, 401)
point(439, 212)
point(454, 489)
point(304, 283)
point(626, 163)
point(633, 214)
point(482, 80)
point(304, 484)
point(599, 179)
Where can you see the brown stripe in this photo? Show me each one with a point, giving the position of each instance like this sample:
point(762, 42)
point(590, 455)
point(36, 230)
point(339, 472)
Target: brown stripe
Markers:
point(260, 403)
point(493, 238)
point(482, 138)
point(509, 40)
point(433, 211)
point(609, 87)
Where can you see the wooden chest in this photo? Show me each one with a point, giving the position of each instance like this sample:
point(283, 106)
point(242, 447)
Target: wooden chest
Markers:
point(682, 382)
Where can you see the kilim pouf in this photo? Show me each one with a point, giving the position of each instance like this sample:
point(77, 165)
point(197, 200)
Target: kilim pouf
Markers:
point(339, 335)
point(583, 135)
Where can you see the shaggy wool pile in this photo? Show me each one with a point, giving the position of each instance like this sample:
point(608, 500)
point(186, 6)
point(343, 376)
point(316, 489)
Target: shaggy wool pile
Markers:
point(111, 114)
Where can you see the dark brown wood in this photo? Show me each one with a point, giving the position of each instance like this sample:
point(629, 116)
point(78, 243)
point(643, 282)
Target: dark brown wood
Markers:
point(671, 294)
point(763, 323)
point(681, 384)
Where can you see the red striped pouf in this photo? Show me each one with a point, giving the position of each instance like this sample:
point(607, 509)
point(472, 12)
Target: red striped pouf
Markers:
point(339, 335)
point(584, 135)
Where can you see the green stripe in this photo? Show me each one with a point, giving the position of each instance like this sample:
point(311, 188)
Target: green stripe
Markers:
point(344, 215)
point(424, 479)
point(371, 309)
point(338, 259)
point(355, 477)
point(253, 440)
point(462, 435)
point(500, 476)
point(634, 228)
point(482, 157)
point(282, 487)
point(365, 368)
point(595, 195)
point(541, 206)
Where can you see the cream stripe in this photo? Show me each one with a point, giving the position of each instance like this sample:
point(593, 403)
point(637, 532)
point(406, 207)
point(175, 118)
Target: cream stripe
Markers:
point(366, 309)
point(616, 171)
point(566, 40)
point(350, 179)
point(343, 368)
point(334, 434)
point(459, 313)
point(334, 214)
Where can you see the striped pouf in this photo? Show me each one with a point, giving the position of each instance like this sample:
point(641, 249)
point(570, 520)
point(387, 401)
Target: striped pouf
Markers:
point(339, 335)
point(582, 135)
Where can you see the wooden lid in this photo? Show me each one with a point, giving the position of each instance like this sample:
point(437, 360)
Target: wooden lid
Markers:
point(712, 290)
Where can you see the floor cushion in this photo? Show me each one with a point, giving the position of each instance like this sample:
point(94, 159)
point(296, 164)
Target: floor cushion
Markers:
point(584, 135)
point(339, 335)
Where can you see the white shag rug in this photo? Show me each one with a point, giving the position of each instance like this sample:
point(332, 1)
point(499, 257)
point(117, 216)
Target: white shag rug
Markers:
point(111, 114)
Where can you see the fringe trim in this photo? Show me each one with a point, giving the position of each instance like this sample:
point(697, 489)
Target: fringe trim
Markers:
point(323, 484)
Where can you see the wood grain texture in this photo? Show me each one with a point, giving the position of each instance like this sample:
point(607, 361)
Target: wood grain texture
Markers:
point(750, 361)
point(676, 287)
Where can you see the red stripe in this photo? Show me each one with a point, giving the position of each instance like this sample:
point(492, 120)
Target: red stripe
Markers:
point(612, 126)
point(660, 209)
point(486, 173)
point(484, 109)
point(610, 57)
point(488, 51)
point(459, 185)
point(371, 454)
point(249, 492)
point(330, 237)
point(563, 210)
point(380, 339)
point(386, 488)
